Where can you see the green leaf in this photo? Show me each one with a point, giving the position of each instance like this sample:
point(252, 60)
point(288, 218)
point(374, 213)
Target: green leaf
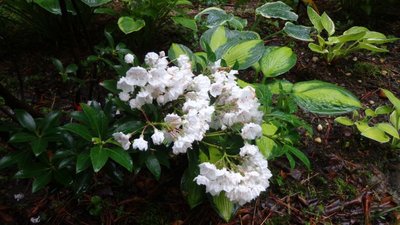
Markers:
point(50, 120)
point(298, 32)
point(98, 157)
point(63, 177)
point(82, 162)
point(79, 129)
point(371, 47)
point(53, 6)
point(153, 165)
point(328, 24)
point(394, 118)
point(355, 30)
point(277, 10)
point(12, 158)
point(291, 160)
point(95, 3)
point(121, 157)
point(389, 129)
point(71, 68)
point(129, 25)
point(22, 137)
point(324, 98)
point(350, 37)
point(382, 110)
point(376, 134)
point(193, 193)
point(277, 61)
point(41, 181)
point(58, 64)
point(300, 155)
point(266, 146)
point(177, 49)
point(244, 53)
point(185, 22)
point(107, 11)
point(215, 38)
point(344, 121)
point(315, 19)
point(110, 85)
point(362, 126)
point(393, 99)
point(224, 207)
point(95, 118)
point(38, 146)
point(218, 17)
point(26, 120)
point(316, 48)
point(278, 86)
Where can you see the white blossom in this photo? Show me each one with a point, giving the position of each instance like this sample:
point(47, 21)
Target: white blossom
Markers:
point(123, 139)
point(129, 58)
point(35, 219)
point(251, 131)
point(140, 144)
point(157, 137)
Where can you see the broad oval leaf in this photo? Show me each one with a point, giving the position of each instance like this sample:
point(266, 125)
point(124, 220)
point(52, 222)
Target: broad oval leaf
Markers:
point(328, 24)
point(277, 61)
point(22, 137)
point(98, 157)
point(79, 129)
point(277, 10)
point(242, 53)
point(376, 134)
point(95, 3)
point(215, 38)
point(25, 119)
point(185, 22)
point(324, 98)
point(121, 157)
point(177, 49)
point(266, 146)
point(344, 121)
point(392, 98)
point(128, 24)
point(40, 181)
point(153, 165)
point(39, 145)
point(389, 129)
point(298, 32)
point(82, 162)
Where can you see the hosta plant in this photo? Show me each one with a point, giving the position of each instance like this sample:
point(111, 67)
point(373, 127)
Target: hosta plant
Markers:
point(382, 132)
point(337, 46)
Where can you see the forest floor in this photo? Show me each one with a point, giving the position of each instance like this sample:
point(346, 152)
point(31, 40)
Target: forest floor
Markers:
point(353, 180)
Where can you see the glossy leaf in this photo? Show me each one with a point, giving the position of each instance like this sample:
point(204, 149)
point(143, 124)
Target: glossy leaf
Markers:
point(324, 98)
point(277, 61)
point(129, 25)
point(277, 10)
point(98, 157)
point(121, 157)
point(22, 137)
point(95, 3)
point(41, 181)
point(82, 162)
point(153, 165)
point(39, 145)
point(298, 32)
point(79, 129)
point(25, 119)
point(12, 158)
point(53, 6)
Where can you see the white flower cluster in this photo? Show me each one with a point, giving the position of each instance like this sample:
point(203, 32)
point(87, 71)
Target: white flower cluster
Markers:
point(214, 101)
point(241, 185)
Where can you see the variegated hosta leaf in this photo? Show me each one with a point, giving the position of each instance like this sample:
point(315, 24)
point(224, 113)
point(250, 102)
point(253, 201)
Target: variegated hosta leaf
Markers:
point(277, 61)
point(324, 98)
point(224, 207)
point(128, 25)
point(242, 53)
point(178, 49)
point(277, 10)
point(217, 17)
point(298, 31)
